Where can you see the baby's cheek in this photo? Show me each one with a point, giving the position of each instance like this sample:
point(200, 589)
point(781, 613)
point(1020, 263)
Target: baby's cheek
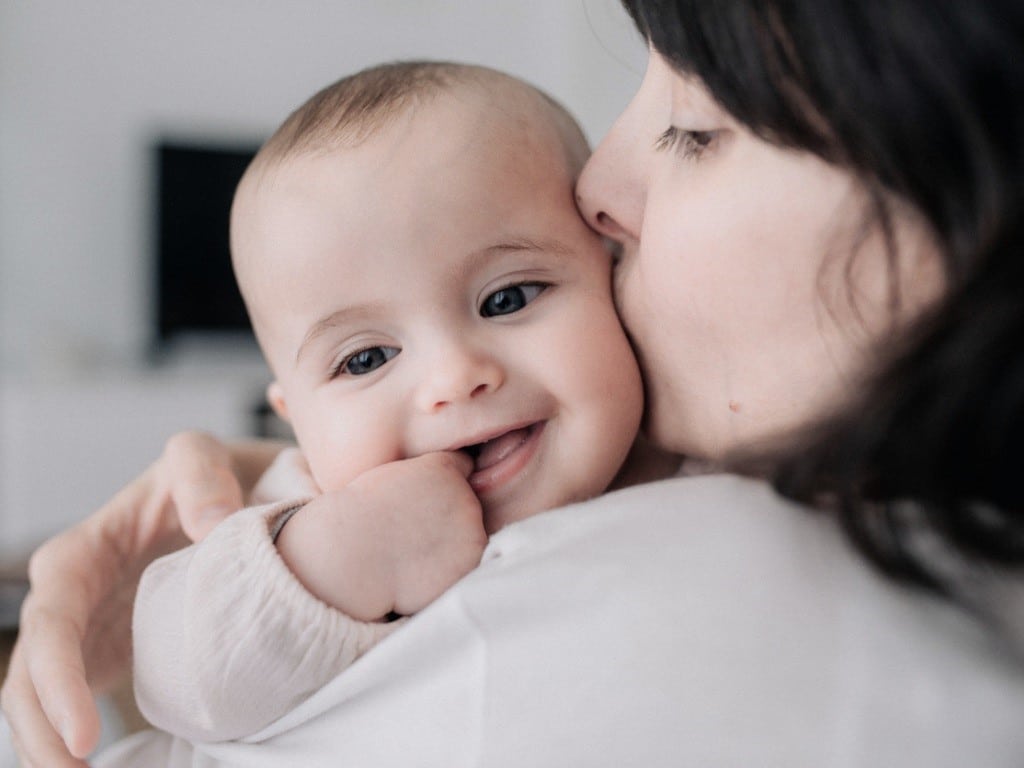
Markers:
point(613, 389)
point(337, 461)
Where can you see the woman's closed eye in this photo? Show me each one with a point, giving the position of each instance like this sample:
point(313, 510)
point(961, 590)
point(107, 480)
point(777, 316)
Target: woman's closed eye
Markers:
point(511, 299)
point(689, 145)
point(364, 361)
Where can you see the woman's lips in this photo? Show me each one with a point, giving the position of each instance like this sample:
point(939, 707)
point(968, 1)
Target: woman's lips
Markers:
point(500, 459)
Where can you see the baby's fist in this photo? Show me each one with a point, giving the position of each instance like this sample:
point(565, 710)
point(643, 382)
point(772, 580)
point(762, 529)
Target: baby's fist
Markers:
point(392, 540)
point(430, 521)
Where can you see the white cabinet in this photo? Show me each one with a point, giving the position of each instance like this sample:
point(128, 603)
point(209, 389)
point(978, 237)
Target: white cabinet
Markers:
point(67, 445)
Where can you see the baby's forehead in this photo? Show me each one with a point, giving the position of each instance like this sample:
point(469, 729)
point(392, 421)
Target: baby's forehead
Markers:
point(518, 101)
point(488, 102)
point(479, 92)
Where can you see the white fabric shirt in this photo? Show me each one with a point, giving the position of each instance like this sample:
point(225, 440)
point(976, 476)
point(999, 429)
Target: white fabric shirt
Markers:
point(696, 621)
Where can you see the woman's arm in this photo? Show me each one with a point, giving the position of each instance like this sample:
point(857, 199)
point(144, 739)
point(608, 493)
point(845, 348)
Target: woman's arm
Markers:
point(74, 636)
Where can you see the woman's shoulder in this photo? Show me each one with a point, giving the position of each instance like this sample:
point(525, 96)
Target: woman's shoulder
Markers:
point(711, 537)
point(725, 597)
point(692, 512)
point(700, 621)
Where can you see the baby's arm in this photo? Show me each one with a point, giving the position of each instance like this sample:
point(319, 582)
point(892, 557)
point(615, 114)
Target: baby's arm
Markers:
point(226, 640)
point(391, 541)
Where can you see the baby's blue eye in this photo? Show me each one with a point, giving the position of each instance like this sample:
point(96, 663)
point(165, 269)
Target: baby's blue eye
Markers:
point(367, 360)
point(508, 300)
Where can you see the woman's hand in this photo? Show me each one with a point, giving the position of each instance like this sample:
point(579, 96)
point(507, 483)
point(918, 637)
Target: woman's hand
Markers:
point(74, 636)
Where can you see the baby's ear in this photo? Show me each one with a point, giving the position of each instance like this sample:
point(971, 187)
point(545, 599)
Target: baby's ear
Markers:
point(275, 396)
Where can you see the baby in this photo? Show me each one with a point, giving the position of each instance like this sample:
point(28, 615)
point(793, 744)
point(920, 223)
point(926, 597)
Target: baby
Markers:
point(440, 326)
point(421, 283)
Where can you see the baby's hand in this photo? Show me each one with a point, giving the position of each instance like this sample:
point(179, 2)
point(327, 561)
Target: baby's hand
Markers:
point(392, 540)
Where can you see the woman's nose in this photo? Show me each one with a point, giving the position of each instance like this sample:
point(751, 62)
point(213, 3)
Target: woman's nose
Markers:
point(459, 375)
point(611, 191)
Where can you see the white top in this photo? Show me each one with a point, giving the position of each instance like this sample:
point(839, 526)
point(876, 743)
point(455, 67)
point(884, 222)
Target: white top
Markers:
point(695, 621)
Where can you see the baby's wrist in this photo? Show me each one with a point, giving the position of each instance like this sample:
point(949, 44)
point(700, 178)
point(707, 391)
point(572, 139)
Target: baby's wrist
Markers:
point(282, 520)
point(334, 563)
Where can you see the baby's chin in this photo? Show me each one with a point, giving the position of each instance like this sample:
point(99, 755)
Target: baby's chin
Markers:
point(497, 517)
point(501, 516)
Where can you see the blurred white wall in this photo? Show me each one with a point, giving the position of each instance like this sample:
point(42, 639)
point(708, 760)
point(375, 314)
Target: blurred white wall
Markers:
point(84, 89)
point(85, 86)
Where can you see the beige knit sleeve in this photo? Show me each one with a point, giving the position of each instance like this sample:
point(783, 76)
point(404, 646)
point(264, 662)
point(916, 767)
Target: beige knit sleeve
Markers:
point(227, 640)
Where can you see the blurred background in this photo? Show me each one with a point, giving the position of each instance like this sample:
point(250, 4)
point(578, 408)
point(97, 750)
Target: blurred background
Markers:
point(123, 127)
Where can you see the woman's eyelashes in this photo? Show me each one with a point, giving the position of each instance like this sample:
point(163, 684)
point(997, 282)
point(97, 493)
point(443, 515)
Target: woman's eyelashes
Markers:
point(511, 299)
point(364, 361)
point(690, 145)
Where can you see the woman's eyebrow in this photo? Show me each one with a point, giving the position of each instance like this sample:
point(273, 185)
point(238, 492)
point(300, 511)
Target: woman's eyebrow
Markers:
point(343, 316)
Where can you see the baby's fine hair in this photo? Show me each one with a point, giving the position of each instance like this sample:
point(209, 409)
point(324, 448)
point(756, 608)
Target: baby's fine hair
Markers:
point(347, 112)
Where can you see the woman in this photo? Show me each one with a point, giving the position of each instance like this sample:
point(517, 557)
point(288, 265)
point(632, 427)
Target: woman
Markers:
point(819, 210)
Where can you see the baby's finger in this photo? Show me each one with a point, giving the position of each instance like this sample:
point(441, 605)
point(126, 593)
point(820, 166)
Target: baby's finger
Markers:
point(459, 461)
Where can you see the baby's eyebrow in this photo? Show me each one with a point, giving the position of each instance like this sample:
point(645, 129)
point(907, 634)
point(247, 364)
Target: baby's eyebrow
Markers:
point(343, 316)
point(549, 246)
point(545, 245)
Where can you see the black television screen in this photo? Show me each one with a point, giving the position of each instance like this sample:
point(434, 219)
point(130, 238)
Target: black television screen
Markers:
point(196, 291)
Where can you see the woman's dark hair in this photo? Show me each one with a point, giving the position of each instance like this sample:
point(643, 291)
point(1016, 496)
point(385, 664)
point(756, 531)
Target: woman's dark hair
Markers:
point(924, 101)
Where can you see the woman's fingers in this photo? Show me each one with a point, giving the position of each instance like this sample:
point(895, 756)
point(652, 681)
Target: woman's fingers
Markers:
point(35, 739)
point(201, 477)
point(57, 670)
point(74, 631)
point(67, 584)
point(75, 627)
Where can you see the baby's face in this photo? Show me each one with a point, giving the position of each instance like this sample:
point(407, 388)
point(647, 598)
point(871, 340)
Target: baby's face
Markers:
point(435, 289)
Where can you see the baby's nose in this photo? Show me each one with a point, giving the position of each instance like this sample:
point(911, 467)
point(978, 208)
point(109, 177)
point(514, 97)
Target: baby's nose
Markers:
point(461, 374)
